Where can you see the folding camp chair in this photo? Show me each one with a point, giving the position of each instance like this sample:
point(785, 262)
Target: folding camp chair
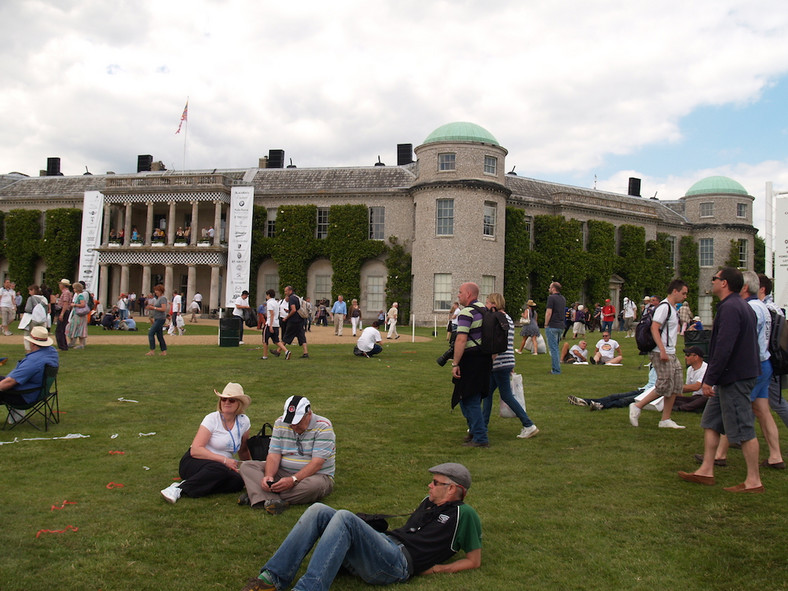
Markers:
point(46, 405)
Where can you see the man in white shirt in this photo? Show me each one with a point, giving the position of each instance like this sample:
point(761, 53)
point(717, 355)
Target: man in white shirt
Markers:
point(367, 344)
point(177, 305)
point(7, 306)
point(272, 326)
point(241, 305)
point(607, 351)
point(696, 367)
point(577, 354)
point(665, 331)
point(630, 313)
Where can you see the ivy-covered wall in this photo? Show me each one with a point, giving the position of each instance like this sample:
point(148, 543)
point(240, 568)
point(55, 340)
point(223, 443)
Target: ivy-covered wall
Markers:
point(558, 256)
point(23, 238)
point(600, 260)
point(689, 268)
point(659, 266)
point(517, 264)
point(631, 259)
point(60, 246)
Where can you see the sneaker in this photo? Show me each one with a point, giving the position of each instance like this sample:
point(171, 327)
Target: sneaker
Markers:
point(576, 401)
point(240, 342)
point(518, 351)
point(276, 353)
point(263, 357)
point(287, 354)
point(275, 506)
point(634, 414)
point(8, 333)
point(305, 356)
point(255, 584)
point(670, 424)
point(528, 432)
point(172, 493)
point(244, 499)
point(595, 406)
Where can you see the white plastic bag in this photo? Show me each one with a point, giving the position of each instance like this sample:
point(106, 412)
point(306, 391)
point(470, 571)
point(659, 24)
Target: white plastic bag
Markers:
point(519, 396)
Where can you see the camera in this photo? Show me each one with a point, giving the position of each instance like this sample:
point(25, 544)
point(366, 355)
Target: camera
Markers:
point(449, 354)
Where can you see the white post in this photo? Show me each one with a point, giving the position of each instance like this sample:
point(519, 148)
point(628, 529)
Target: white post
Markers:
point(769, 223)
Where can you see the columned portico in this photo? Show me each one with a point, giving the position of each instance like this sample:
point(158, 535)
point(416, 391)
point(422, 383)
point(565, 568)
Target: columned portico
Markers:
point(195, 226)
point(217, 224)
point(213, 300)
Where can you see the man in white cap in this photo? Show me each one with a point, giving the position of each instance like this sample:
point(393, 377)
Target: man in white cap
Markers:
point(439, 527)
point(28, 375)
point(299, 468)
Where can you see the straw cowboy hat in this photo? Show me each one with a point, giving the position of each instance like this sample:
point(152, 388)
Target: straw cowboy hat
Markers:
point(235, 391)
point(40, 336)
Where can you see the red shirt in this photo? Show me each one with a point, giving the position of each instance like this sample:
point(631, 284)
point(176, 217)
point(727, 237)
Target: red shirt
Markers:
point(608, 313)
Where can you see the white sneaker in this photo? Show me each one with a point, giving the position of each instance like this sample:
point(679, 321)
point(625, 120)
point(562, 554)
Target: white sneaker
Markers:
point(576, 401)
point(240, 342)
point(670, 424)
point(596, 406)
point(634, 414)
point(528, 432)
point(518, 351)
point(172, 493)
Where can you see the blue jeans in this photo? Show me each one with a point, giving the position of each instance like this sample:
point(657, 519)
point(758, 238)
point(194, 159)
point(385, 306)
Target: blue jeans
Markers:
point(156, 330)
point(501, 379)
point(607, 325)
point(553, 336)
point(472, 411)
point(342, 539)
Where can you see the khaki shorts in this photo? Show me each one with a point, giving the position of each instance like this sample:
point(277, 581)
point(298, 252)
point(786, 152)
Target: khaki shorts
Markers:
point(669, 378)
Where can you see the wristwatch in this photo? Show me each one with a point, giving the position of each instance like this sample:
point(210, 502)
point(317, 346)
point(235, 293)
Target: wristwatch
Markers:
point(295, 480)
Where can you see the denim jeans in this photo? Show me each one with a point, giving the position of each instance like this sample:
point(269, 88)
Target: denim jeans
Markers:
point(776, 401)
point(553, 336)
point(156, 330)
point(501, 379)
point(342, 539)
point(607, 325)
point(472, 411)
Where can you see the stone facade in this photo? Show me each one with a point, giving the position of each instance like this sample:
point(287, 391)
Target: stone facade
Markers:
point(449, 207)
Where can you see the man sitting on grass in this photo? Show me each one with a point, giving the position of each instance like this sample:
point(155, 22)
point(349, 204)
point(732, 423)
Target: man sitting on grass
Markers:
point(577, 354)
point(608, 351)
point(616, 400)
point(440, 526)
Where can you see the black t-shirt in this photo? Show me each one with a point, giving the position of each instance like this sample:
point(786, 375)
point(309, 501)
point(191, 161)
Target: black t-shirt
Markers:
point(434, 533)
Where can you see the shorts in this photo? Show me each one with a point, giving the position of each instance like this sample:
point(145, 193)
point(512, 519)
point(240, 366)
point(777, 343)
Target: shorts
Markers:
point(761, 389)
point(294, 330)
point(730, 411)
point(669, 378)
point(272, 334)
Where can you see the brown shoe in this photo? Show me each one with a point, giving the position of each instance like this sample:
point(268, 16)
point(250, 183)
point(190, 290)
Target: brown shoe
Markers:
point(740, 488)
point(692, 477)
point(776, 465)
point(722, 463)
point(468, 437)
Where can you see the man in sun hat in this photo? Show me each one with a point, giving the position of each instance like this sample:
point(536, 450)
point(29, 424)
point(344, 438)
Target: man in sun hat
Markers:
point(440, 526)
point(299, 468)
point(28, 375)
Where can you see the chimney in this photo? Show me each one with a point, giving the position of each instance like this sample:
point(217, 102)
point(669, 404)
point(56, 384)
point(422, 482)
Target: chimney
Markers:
point(53, 167)
point(634, 187)
point(144, 162)
point(276, 158)
point(404, 154)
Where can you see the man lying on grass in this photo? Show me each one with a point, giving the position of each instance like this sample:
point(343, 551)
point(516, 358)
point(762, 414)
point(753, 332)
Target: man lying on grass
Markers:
point(439, 527)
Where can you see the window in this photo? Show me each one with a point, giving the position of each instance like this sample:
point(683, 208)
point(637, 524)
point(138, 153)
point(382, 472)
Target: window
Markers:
point(270, 223)
point(528, 232)
point(706, 210)
point(443, 291)
point(671, 242)
point(376, 292)
point(490, 165)
point(322, 222)
point(742, 254)
point(706, 251)
point(446, 161)
point(322, 287)
point(377, 218)
point(444, 217)
point(490, 215)
point(487, 287)
point(270, 281)
point(741, 210)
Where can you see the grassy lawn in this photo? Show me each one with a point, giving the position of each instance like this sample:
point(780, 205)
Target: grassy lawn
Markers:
point(589, 503)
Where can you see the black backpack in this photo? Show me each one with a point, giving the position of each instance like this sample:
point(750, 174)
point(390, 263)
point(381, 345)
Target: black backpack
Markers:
point(778, 344)
point(643, 337)
point(495, 332)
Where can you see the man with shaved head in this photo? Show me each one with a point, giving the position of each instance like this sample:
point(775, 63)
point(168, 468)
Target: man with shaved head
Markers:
point(470, 368)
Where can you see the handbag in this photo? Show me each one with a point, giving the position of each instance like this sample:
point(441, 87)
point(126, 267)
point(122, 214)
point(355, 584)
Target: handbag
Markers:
point(518, 393)
point(24, 323)
point(527, 318)
point(258, 444)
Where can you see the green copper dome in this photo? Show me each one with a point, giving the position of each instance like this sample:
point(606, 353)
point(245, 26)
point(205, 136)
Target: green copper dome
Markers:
point(461, 131)
point(716, 185)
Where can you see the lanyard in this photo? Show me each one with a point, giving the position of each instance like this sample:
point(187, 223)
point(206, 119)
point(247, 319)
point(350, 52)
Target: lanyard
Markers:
point(236, 445)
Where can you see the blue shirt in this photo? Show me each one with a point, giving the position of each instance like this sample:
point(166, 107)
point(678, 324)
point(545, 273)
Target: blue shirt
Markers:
point(339, 307)
point(29, 372)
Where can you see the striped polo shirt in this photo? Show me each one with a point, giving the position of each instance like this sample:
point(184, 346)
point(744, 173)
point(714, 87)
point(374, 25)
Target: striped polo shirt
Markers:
point(297, 451)
point(469, 322)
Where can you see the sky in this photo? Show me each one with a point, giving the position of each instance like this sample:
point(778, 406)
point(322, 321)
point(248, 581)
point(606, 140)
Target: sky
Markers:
point(582, 92)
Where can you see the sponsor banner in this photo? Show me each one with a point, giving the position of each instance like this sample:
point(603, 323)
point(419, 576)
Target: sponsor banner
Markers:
point(781, 253)
point(92, 215)
point(239, 242)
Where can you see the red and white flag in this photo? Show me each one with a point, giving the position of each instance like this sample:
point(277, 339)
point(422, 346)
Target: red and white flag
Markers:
point(184, 117)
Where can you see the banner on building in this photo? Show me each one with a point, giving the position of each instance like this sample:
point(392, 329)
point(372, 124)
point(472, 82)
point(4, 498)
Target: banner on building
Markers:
point(92, 215)
point(781, 253)
point(239, 242)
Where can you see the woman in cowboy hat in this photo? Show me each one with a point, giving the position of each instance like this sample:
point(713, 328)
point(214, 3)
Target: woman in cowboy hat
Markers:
point(530, 329)
point(208, 466)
